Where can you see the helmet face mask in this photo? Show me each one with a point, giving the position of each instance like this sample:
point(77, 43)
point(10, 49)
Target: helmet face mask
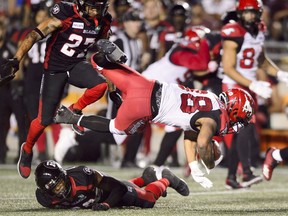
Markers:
point(240, 108)
point(87, 7)
point(52, 179)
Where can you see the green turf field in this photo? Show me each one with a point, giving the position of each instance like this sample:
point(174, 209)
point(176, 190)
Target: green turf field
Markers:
point(266, 198)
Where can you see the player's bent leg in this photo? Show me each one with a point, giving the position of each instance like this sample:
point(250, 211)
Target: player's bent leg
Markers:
point(26, 152)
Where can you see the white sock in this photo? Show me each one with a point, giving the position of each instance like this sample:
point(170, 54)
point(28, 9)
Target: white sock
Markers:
point(276, 155)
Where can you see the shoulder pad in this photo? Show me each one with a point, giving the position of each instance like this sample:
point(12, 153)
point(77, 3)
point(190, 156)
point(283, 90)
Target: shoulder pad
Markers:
point(232, 30)
point(62, 10)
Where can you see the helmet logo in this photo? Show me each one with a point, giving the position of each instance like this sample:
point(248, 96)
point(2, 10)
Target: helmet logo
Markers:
point(87, 170)
point(247, 107)
point(51, 163)
point(228, 31)
point(55, 9)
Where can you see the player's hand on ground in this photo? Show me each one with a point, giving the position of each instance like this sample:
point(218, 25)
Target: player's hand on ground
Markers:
point(100, 207)
point(261, 88)
point(199, 176)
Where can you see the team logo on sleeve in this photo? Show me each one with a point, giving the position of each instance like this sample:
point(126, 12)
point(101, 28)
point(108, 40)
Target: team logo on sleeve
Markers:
point(55, 9)
point(228, 31)
point(87, 170)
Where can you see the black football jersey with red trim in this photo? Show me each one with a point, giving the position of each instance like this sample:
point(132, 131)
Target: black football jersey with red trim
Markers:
point(69, 45)
point(82, 194)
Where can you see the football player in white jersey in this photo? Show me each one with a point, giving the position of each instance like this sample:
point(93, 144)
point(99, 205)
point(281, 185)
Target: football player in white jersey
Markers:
point(201, 114)
point(186, 58)
point(242, 55)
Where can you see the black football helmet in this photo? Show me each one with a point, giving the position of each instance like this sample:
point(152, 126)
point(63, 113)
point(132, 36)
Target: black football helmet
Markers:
point(100, 5)
point(52, 179)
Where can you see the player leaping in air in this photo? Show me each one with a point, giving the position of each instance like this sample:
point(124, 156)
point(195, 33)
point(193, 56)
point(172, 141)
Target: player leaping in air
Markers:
point(201, 114)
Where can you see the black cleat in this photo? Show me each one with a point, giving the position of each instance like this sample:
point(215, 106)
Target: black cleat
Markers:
point(24, 163)
point(232, 184)
point(113, 53)
point(149, 175)
point(66, 116)
point(249, 180)
point(175, 182)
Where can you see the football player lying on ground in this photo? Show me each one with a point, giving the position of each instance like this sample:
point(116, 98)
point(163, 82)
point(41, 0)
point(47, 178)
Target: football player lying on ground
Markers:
point(201, 114)
point(82, 187)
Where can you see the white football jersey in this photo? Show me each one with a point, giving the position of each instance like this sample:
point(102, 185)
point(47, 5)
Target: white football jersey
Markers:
point(180, 104)
point(165, 70)
point(248, 51)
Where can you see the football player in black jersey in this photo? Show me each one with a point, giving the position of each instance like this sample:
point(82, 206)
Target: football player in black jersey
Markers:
point(82, 187)
point(73, 29)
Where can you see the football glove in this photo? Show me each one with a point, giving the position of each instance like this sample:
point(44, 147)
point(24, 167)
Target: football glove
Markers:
point(9, 68)
point(199, 176)
point(261, 88)
point(116, 98)
point(100, 207)
point(282, 76)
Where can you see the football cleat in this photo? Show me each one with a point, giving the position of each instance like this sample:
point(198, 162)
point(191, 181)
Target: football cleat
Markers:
point(149, 175)
point(24, 162)
point(269, 164)
point(113, 53)
point(175, 182)
point(232, 184)
point(251, 179)
point(67, 116)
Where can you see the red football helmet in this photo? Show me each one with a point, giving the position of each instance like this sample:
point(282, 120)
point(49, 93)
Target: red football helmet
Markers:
point(249, 5)
point(191, 40)
point(240, 107)
point(254, 6)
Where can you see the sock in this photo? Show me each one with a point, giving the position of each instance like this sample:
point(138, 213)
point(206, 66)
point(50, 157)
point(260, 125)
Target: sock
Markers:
point(137, 181)
point(90, 96)
point(35, 130)
point(276, 155)
point(158, 187)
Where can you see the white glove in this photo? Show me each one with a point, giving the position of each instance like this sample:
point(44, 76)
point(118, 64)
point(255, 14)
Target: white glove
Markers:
point(212, 66)
point(282, 76)
point(199, 176)
point(261, 88)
